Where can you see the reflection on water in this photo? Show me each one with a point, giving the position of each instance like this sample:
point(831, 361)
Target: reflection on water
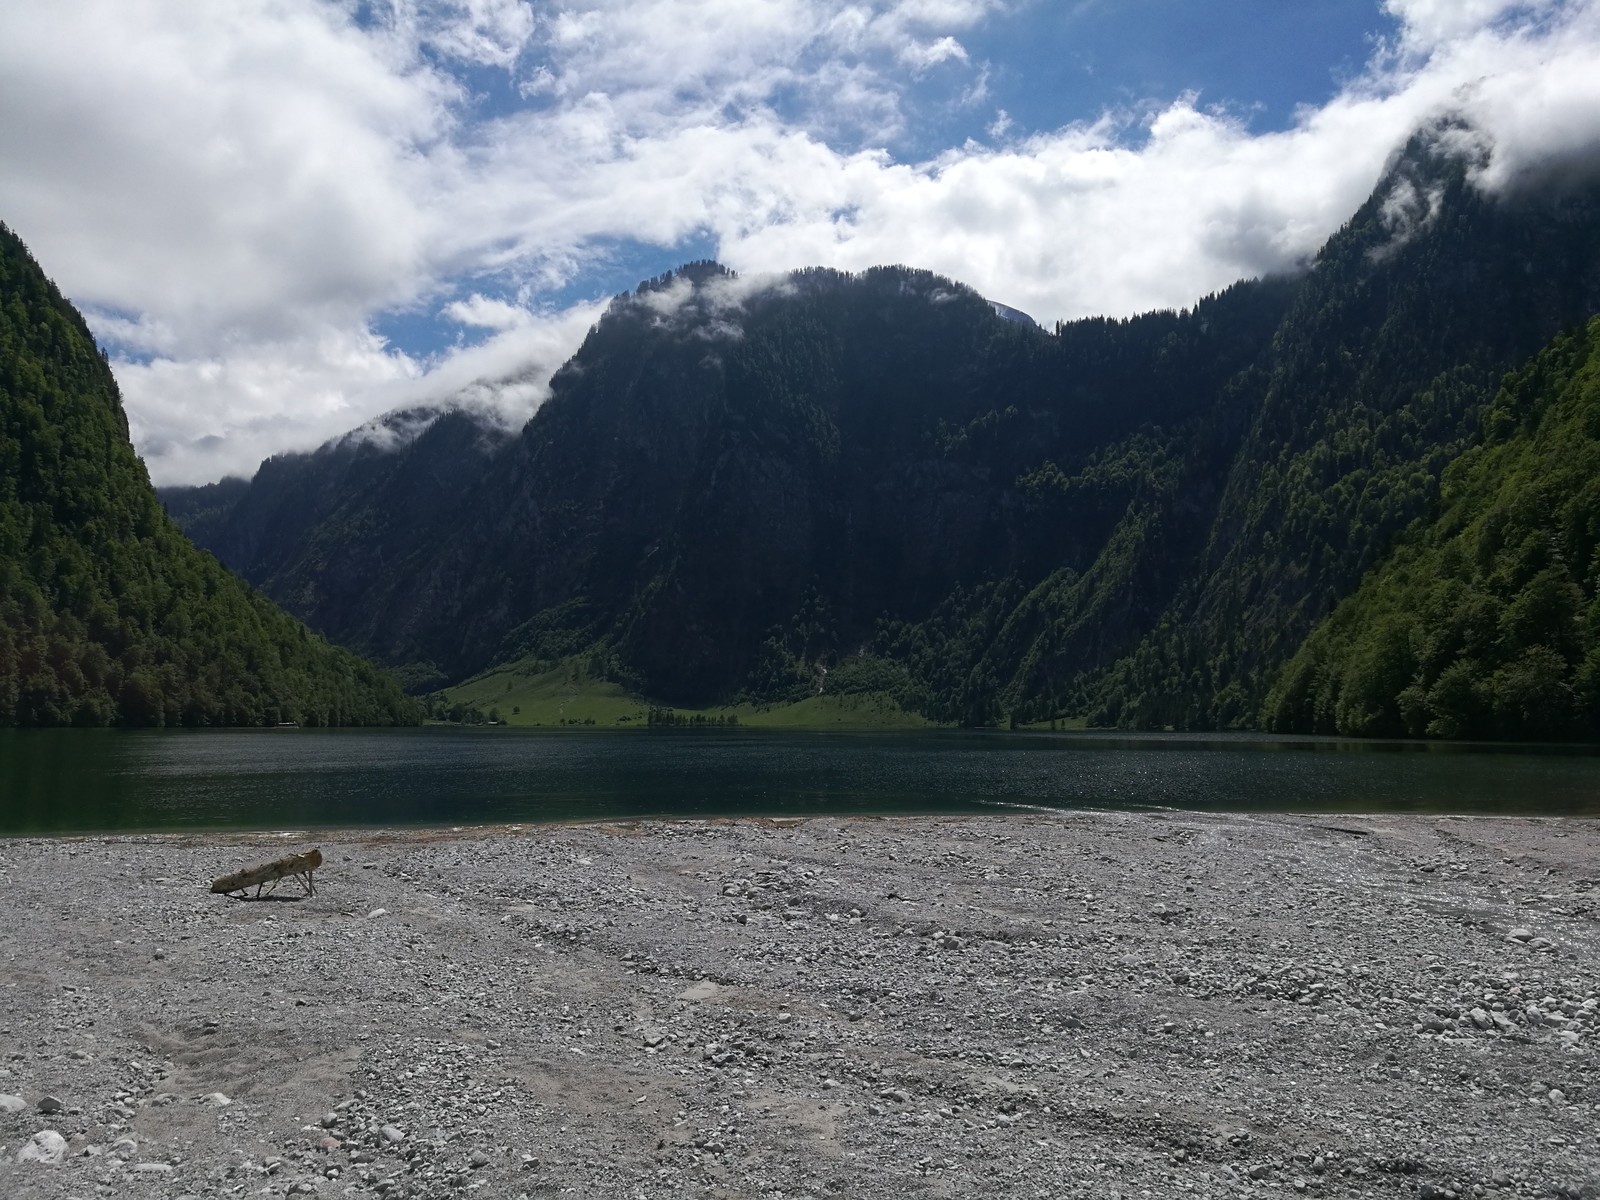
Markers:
point(68, 780)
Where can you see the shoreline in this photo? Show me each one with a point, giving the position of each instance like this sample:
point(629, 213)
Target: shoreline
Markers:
point(1065, 1003)
point(990, 810)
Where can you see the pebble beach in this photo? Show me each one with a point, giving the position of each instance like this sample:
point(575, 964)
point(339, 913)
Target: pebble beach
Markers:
point(1035, 1004)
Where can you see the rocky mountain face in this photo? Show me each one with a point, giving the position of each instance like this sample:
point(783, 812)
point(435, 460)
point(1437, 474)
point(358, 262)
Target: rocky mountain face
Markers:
point(1134, 521)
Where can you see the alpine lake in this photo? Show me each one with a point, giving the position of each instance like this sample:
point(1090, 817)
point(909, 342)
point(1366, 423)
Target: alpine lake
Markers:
point(68, 781)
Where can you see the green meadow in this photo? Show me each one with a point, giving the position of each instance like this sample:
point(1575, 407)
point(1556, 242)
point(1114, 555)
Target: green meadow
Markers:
point(565, 695)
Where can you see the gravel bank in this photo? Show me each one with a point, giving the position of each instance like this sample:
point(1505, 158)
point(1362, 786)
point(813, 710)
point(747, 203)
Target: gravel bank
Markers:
point(1097, 1005)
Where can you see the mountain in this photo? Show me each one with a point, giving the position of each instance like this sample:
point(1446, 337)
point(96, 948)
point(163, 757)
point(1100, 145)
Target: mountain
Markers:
point(1409, 318)
point(347, 536)
point(742, 488)
point(108, 614)
point(1485, 623)
point(732, 482)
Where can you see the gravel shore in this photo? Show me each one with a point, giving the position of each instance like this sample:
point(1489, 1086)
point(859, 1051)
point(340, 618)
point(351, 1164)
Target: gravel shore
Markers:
point(1035, 1004)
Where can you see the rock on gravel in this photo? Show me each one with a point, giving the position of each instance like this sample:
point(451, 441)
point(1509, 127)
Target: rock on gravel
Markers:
point(46, 1146)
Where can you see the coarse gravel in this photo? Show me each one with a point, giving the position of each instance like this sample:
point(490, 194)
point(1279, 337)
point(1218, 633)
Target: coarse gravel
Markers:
point(1035, 1004)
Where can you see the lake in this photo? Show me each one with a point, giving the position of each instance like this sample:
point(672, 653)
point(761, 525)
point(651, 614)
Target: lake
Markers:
point(61, 781)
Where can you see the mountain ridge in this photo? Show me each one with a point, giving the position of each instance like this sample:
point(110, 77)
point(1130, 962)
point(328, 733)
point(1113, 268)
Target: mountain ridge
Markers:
point(1135, 521)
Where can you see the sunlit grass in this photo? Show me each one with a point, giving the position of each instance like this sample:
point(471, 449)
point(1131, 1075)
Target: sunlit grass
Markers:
point(564, 696)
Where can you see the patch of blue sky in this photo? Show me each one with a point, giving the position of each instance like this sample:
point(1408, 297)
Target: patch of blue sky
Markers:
point(487, 91)
point(425, 334)
point(1051, 65)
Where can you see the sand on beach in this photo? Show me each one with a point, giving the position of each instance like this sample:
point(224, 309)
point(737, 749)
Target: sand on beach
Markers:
point(1034, 1004)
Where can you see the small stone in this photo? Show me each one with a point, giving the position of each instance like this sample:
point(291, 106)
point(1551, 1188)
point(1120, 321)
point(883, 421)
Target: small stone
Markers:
point(47, 1146)
point(152, 1168)
point(1557, 1096)
point(50, 1104)
point(392, 1134)
point(377, 912)
point(215, 1100)
point(479, 1159)
point(329, 1120)
point(1481, 1019)
point(12, 1104)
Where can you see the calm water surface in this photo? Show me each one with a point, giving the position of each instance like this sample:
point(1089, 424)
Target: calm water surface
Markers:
point(60, 781)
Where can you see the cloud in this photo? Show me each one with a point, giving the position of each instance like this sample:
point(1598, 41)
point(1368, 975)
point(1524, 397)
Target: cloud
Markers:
point(490, 33)
point(485, 312)
point(1429, 24)
point(238, 193)
point(200, 418)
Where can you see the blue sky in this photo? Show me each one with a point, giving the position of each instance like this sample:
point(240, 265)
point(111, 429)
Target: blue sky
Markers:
point(1058, 63)
point(286, 217)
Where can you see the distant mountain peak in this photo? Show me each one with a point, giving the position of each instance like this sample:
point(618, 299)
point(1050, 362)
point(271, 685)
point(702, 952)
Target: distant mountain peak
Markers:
point(1006, 313)
point(399, 428)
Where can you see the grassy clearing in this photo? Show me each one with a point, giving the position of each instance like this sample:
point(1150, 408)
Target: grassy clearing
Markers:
point(1058, 724)
point(566, 696)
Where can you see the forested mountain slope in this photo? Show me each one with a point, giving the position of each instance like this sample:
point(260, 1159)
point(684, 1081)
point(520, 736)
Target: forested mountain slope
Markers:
point(1485, 623)
point(107, 612)
point(1409, 319)
point(348, 536)
point(734, 485)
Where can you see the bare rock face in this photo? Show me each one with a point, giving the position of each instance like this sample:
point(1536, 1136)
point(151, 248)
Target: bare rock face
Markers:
point(46, 1146)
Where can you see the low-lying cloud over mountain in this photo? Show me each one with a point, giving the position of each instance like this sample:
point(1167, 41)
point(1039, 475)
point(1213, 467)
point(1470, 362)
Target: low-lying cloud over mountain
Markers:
point(287, 217)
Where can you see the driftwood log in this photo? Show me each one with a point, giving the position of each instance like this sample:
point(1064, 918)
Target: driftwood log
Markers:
point(267, 875)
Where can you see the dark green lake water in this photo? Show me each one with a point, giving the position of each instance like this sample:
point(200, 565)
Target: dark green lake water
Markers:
point(62, 781)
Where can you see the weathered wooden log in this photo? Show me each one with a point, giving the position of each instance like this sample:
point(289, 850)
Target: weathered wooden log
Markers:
point(298, 865)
